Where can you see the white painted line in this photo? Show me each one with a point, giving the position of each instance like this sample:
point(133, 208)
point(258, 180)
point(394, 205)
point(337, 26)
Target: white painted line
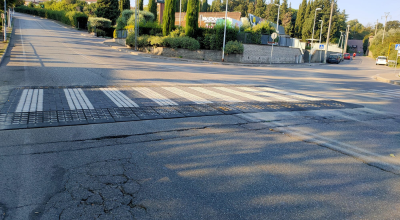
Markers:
point(253, 97)
point(28, 101)
point(40, 101)
point(268, 94)
point(156, 97)
point(290, 94)
point(110, 96)
point(124, 98)
point(21, 102)
point(216, 95)
point(194, 98)
point(85, 98)
point(74, 99)
point(34, 100)
point(116, 96)
point(69, 100)
point(80, 99)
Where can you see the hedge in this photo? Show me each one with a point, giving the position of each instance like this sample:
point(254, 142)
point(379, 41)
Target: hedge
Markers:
point(173, 42)
point(72, 18)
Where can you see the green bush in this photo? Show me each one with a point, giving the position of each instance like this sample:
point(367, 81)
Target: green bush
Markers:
point(156, 41)
point(98, 23)
point(100, 33)
point(234, 47)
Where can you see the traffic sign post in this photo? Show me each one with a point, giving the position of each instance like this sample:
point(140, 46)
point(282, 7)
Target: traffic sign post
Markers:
point(397, 47)
point(273, 36)
point(321, 47)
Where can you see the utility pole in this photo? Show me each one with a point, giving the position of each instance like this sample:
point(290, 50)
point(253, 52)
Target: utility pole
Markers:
point(180, 12)
point(136, 24)
point(226, 17)
point(347, 38)
point(312, 38)
point(5, 24)
point(384, 28)
point(376, 26)
point(329, 31)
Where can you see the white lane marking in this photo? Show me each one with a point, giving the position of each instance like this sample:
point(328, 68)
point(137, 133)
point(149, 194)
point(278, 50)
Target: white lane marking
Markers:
point(124, 98)
point(216, 95)
point(40, 101)
point(253, 97)
point(28, 101)
point(85, 98)
point(290, 94)
point(74, 99)
point(194, 98)
point(268, 94)
point(156, 97)
point(69, 99)
point(34, 100)
point(22, 100)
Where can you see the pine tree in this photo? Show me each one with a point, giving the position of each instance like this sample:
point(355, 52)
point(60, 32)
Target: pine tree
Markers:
point(308, 22)
point(153, 8)
point(260, 8)
point(108, 9)
point(300, 19)
point(192, 17)
point(140, 5)
point(250, 9)
point(283, 11)
point(168, 17)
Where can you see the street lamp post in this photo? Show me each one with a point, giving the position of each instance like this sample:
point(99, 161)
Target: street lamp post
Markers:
point(320, 38)
point(312, 38)
point(5, 24)
point(223, 46)
point(277, 20)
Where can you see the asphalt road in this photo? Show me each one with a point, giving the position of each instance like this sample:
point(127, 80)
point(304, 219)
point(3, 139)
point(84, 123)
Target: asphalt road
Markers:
point(317, 163)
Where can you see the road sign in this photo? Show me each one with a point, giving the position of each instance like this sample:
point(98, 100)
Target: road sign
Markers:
point(274, 36)
point(322, 46)
point(397, 47)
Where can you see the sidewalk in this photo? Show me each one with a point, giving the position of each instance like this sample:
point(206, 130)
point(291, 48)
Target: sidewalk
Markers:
point(112, 44)
point(392, 77)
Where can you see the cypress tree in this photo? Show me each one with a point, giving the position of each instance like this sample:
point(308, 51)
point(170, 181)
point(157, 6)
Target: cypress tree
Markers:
point(140, 5)
point(153, 8)
point(168, 17)
point(124, 4)
point(108, 9)
point(216, 6)
point(192, 17)
point(300, 18)
point(204, 6)
point(260, 8)
point(308, 22)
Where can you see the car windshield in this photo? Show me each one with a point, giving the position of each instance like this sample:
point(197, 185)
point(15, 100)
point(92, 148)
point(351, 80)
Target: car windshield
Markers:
point(333, 56)
point(381, 57)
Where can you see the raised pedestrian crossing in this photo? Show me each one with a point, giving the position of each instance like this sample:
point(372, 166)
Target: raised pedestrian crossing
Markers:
point(56, 106)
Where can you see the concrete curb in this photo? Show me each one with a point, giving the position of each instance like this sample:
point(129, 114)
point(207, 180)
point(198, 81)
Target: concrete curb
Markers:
point(130, 51)
point(385, 80)
point(8, 48)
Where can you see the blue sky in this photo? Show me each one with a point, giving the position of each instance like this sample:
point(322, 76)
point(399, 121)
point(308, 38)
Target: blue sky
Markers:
point(366, 11)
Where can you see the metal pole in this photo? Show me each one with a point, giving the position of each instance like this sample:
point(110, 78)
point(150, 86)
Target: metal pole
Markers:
point(223, 46)
point(376, 26)
point(9, 18)
point(329, 32)
point(320, 38)
point(384, 28)
point(312, 38)
point(180, 12)
point(5, 24)
point(272, 50)
point(136, 24)
point(277, 20)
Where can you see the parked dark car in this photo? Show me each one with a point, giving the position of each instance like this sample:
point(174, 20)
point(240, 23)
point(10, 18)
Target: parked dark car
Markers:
point(340, 56)
point(333, 59)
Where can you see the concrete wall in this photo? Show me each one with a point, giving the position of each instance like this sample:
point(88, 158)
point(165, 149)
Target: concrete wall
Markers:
point(121, 41)
point(262, 54)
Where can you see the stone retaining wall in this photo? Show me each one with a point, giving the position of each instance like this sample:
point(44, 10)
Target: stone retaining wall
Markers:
point(256, 54)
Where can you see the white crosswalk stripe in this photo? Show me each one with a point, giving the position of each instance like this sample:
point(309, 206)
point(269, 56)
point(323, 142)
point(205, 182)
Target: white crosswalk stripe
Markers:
point(268, 94)
point(156, 97)
point(77, 99)
point(253, 97)
point(194, 98)
point(120, 99)
point(31, 101)
point(216, 95)
point(298, 96)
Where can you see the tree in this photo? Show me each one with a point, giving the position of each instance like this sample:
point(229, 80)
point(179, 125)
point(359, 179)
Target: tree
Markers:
point(153, 8)
point(140, 5)
point(250, 9)
point(124, 4)
point(260, 8)
point(108, 9)
point(216, 6)
point(308, 22)
point(204, 6)
point(392, 25)
point(192, 17)
point(169, 17)
point(300, 19)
